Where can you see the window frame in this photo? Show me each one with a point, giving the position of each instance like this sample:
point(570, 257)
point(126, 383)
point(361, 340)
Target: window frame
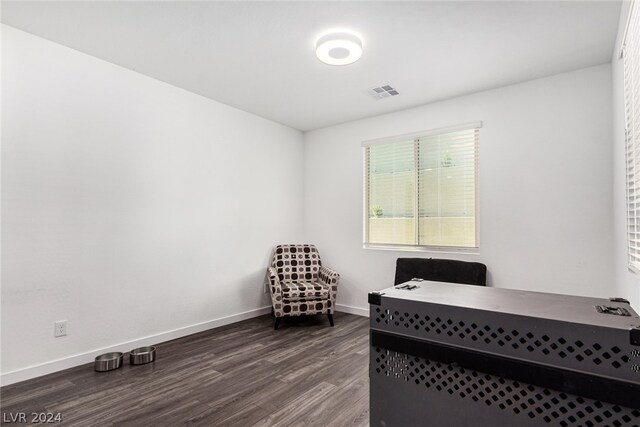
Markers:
point(415, 136)
point(631, 138)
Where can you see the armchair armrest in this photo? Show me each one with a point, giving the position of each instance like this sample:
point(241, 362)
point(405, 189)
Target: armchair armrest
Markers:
point(276, 293)
point(274, 282)
point(330, 278)
point(326, 275)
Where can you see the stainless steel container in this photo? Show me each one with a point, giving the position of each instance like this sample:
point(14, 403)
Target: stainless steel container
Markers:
point(142, 355)
point(108, 361)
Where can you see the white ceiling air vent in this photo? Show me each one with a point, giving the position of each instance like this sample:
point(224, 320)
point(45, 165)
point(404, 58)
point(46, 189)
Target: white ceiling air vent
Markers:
point(385, 91)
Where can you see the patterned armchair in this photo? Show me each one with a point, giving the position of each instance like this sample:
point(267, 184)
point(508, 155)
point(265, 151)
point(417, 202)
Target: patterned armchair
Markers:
point(300, 284)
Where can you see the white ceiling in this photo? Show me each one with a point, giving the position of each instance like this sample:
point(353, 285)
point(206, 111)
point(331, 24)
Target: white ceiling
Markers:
point(259, 56)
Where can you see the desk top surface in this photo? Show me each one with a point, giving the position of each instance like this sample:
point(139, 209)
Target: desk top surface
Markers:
point(559, 307)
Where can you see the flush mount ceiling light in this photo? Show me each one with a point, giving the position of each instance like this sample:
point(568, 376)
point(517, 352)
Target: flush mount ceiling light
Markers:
point(339, 47)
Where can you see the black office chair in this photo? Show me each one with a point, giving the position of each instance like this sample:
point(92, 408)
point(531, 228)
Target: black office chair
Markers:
point(441, 270)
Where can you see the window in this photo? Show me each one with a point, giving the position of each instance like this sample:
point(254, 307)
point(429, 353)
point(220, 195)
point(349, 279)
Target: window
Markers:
point(421, 190)
point(631, 58)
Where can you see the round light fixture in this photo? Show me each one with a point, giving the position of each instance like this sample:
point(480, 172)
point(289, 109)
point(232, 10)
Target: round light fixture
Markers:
point(339, 47)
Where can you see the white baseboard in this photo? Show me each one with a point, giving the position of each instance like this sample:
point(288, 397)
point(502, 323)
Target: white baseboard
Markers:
point(82, 358)
point(353, 310)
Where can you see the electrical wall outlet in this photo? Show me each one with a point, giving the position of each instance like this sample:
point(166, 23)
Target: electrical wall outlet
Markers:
point(60, 328)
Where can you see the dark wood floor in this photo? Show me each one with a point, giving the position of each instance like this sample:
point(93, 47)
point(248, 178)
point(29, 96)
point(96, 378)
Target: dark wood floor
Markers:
point(245, 374)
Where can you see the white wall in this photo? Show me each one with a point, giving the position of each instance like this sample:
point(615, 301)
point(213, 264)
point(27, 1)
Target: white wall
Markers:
point(627, 283)
point(131, 208)
point(545, 187)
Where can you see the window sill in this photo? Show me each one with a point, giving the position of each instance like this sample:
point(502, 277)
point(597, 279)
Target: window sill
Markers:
point(412, 248)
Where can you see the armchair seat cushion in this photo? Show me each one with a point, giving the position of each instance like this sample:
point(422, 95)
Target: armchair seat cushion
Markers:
point(304, 291)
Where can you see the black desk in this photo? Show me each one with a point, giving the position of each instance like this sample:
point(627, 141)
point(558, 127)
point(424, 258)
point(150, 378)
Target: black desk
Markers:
point(450, 355)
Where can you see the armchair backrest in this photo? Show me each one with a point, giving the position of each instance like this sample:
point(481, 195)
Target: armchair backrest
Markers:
point(441, 270)
point(296, 262)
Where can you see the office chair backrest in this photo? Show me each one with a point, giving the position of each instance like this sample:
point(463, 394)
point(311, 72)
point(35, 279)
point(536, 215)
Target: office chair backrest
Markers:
point(441, 270)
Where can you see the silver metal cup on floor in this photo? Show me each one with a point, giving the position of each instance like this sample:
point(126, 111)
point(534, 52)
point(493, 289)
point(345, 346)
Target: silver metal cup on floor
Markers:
point(108, 361)
point(142, 355)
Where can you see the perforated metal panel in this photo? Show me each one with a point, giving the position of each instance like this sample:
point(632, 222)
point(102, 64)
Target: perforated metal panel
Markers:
point(502, 395)
point(588, 348)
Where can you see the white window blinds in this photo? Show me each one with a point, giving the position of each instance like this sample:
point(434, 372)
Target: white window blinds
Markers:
point(631, 58)
point(421, 190)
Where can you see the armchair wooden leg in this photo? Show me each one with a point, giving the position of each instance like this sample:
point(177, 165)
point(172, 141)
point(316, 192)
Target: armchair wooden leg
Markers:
point(275, 326)
point(330, 316)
